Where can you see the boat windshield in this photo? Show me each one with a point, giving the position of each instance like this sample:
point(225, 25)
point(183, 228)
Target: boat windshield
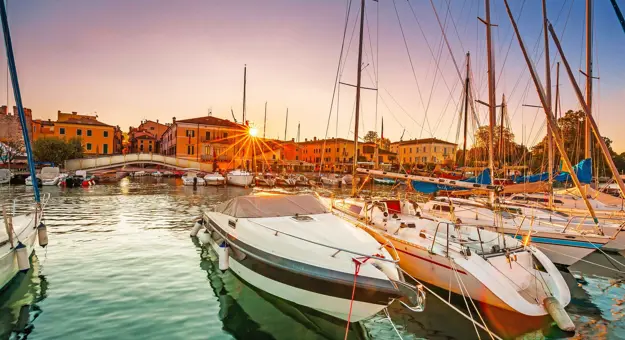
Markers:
point(271, 206)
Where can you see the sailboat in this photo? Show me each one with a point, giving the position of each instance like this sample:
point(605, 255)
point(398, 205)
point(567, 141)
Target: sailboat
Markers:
point(21, 224)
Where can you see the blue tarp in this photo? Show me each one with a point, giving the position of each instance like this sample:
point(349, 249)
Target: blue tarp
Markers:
point(583, 170)
point(428, 188)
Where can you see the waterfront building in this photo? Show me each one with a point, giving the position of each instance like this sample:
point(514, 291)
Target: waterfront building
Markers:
point(97, 138)
point(425, 151)
point(146, 137)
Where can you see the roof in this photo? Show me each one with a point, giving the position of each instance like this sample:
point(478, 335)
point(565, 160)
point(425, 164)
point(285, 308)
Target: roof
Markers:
point(143, 134)
point(213, 121)
point(424, 141)
point(84, 121)
point(331, 140)
point(43, 122)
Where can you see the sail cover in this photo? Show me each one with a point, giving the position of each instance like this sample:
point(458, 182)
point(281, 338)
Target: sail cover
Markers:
point(259, 206)
point(429, 188)
point(583, 170)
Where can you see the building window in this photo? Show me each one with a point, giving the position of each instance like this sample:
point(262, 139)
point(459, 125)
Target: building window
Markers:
point(410, 150)
point(410, 159)
point(106, 133)
point(88, 146)
point(78, 132)
point(190, 149)
point(150, 148)
point(88, 133)
point(208, 135)
point(225, 135)
point(434, 149)
point(274, 156)
point(151, 127)
point(337, 149)
point(425, 159)
point(190, 133)
point(105, 148)
point(141, 147)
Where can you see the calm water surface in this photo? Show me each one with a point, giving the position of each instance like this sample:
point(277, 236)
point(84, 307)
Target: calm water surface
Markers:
point(120, 264)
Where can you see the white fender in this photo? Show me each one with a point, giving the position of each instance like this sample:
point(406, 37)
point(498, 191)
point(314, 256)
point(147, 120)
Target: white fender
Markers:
point(22, 257)
point(224, 259)
point(195, 229)
point(42, 234)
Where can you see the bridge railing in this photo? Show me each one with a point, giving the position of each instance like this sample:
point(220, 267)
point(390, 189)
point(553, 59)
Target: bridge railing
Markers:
point(103, 162)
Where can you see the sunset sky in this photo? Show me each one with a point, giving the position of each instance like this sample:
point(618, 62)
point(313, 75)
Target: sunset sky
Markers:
point(156, 59)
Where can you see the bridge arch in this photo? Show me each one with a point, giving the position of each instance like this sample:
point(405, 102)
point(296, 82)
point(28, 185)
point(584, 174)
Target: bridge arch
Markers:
point(116, 161)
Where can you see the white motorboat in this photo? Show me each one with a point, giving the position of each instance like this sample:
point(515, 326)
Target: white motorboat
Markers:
point(49, 176)
point(20, 228)
point(214, 179)
point(168, 173)
point(492, 268)
point(284, 181)
point(292, 247)
point(301, 181)
point(5, 176)
point(240, 178)
point(157, 174)
point(138, 174)
point(569, 201)
point(266, 180)
point(191, 178)
point(562, 245)
point(333, 180)
point(347, 180)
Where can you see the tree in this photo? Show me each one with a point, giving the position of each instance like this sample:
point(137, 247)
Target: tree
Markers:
point(512, 151)
point(57, 150)
point(10, 149)
point(370, 137)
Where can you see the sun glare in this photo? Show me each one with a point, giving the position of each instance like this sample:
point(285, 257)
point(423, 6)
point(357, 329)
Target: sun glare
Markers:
point(253, 131)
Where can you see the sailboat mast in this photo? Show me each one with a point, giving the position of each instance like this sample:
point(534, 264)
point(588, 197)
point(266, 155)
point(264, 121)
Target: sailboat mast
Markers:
point(265, 122)
point(491, 98)
point(286, 122)
point(502, 153)
point(244, 88)
point(549, 102)
point(547, 109)
point(589, 24)
point(466, 111)
point(357, 113)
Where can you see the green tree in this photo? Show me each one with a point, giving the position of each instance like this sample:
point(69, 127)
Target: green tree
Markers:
point(11, 148)
point(57, 150)
point(370, 137)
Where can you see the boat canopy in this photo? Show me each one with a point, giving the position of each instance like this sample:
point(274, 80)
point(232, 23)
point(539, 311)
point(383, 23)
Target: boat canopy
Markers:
point(583, 170)
point(271, 206)
point(428, 188)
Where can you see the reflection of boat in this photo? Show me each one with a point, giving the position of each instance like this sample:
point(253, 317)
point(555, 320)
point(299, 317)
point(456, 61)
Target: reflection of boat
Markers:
point(49, 176)
point(18, 302)
point(494, 269)
point(290, 246)
point(191, 178)
point(384, 181)
point(240, 178)
point(214, 179)
point(264, 315)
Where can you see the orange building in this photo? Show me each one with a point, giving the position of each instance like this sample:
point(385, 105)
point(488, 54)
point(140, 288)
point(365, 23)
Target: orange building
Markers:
point(338, 153)
point(97, 138)
point(146, 137)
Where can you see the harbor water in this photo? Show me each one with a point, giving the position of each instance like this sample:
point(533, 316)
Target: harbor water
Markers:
point(121, 265)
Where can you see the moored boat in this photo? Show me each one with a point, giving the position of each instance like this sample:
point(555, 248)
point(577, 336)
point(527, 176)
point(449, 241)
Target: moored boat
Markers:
point(5, 176)
point(214, 179)
point(191, 178)
point(49, 176)
point(266, 180)
point(240, 178)
point(280, 244)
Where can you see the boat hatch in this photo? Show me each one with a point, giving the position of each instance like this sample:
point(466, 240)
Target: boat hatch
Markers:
point(232, 223)
point(303, 218)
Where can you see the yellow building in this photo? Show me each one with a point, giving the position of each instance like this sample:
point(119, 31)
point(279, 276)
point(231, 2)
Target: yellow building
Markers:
point(338, 153)
point(425, 151)
point(97, 138)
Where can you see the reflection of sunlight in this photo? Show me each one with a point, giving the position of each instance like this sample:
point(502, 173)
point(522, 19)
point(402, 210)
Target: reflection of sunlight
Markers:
point(124, 185)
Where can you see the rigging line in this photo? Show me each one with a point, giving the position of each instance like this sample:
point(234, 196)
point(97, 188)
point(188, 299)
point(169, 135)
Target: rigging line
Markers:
point(336, 77)
point(402, 108)
point(453, 22)
point(349, 45)
point(503, 64)
point(473, 303)
point(373, 61)
point(414, 74)
point(436, 59)
point(453, 269)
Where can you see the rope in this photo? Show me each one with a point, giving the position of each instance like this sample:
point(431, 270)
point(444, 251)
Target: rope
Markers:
point(351, 302)
point(392, 324)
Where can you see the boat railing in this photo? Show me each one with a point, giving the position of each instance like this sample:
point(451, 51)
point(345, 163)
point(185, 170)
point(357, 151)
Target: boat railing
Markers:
point(22, 204)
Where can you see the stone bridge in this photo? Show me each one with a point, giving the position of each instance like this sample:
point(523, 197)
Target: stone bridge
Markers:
point(117, 161)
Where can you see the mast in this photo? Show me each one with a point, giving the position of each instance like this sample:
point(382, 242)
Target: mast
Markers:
point(502, 152)
point(466, 111)
point(547, 109)
point(357, 113)
point(593, 125)
point(244, 88)
point(557, 99)
point(265, 123)
point(18, 99)
point(548, 99)
point(286, 122)
point(491, 98)
point(588, 78)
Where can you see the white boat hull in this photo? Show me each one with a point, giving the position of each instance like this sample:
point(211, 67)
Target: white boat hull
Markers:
point(8, 257)
point(190, 182)
point(240, 180)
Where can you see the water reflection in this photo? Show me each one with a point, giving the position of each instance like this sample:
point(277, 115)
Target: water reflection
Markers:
point(249, 313)
point(19, 302)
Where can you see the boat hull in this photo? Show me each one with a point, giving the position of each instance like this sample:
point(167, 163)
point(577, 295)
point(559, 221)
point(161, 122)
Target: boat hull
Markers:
point(8, 259)
point(240, 180)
